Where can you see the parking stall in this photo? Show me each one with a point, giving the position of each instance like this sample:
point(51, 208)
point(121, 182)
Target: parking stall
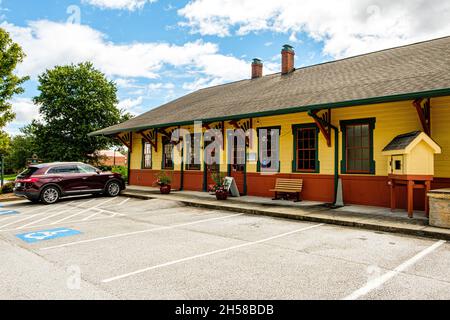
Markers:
point(130, 248)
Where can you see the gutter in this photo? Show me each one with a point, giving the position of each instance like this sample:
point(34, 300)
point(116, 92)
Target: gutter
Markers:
point(334, 105)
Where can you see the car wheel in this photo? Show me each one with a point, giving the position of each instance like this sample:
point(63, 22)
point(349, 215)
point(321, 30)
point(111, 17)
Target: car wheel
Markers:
point(50, 195)
point(112, 189)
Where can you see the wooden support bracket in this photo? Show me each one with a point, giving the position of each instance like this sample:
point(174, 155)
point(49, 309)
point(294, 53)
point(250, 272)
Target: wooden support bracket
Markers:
point(424, 113)
point(151, 136)
point(245, 126)
point(323, 123)
point(126, 138)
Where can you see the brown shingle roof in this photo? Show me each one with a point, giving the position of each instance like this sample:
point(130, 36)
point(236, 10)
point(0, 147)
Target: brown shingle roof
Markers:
point(402, 141)
point(416, 68)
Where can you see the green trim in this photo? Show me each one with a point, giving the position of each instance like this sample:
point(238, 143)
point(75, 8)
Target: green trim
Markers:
point(258, 163)
point(143, 142)
point(343, 125)
point(295, 127)
point(332, 105)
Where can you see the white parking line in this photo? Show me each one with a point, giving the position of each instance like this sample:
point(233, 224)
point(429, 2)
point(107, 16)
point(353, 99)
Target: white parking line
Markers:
point(377, 282)
point(143, 231)
point(247, 244)
point(33, 215)
point(45, 218)
point(123, 202)
point(82, 211)
point(93, 220)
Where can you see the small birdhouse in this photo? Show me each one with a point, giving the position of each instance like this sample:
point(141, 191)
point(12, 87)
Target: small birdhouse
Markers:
point(411, 154)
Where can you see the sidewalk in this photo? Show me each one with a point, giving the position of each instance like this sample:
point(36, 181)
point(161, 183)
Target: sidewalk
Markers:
point(372, 218)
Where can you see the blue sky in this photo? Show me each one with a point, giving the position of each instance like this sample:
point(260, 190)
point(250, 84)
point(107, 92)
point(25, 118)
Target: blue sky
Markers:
point(159, 50)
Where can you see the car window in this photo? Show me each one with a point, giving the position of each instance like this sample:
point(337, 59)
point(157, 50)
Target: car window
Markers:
point(63, 169)
point(28, 172)
point(85, 168)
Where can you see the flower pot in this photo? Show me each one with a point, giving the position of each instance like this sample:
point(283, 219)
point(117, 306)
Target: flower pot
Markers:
point(221, 195)
point(165, 189)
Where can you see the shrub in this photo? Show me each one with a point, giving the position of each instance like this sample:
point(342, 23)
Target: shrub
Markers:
point(122, 170)
point(8, 187)
point(163, 178)
point(105, 168)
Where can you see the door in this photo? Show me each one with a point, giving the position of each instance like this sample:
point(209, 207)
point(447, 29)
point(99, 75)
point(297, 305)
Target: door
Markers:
point(237, 169)
point(212, 168)
point(67, 177)
point(92, 179)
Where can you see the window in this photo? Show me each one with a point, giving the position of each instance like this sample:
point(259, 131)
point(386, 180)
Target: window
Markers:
point(63, 170)
point(167, 162)
point(213, 166)
point(238, 156)
point(265, 142)
point(84, 168)
point(306, 148)
point(194, 140)
point(146, 155)
point(357, 140)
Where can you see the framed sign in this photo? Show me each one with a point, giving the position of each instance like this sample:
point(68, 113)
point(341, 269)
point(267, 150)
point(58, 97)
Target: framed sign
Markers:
point(230, 185)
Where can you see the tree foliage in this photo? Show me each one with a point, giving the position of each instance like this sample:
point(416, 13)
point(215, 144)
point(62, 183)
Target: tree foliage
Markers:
point(74, 101)
point(22, 147)
point(11, 55)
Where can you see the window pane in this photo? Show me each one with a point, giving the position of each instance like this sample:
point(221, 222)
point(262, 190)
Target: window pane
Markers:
point(358, 148)
point(147, 156)
point(306, 149)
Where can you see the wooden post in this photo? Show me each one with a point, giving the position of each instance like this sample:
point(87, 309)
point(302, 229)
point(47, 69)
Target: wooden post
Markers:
point(393, 199)
point(410, 188)
point(427, 206)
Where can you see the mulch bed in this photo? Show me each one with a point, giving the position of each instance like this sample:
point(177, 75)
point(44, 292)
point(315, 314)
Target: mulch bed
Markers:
point(9, 197)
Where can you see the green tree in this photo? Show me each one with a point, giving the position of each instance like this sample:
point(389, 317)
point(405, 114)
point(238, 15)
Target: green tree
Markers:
point(22, 147)
point(74, 101)
point(11, 55)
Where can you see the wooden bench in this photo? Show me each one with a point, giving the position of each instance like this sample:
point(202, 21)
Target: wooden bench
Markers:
point(286, 187)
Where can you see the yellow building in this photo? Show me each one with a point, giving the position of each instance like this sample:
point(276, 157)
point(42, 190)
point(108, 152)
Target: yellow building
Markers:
point(333, 121)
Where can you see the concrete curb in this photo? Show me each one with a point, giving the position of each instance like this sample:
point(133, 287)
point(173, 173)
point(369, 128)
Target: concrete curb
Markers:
point(318, 216)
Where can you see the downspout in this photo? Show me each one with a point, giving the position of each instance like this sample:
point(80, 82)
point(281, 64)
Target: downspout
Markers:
point(336, 152)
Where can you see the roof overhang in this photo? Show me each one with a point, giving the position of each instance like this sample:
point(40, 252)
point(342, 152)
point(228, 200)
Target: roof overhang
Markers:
point(332, 105)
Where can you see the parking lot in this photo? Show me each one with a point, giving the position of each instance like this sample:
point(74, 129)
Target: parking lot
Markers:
point(123, 248)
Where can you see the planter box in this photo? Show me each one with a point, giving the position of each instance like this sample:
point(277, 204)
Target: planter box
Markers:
point(440, 208)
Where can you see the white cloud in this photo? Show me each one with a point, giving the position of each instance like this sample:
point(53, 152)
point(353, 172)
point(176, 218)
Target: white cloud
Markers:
point(346, 27)
point(48, 43)
point(130, 5)
point(160, 85)
point(130, 104)
point(25, 110)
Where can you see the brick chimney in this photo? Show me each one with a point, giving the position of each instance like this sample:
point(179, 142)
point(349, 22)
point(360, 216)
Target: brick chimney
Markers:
point(257, 68)
point(287, 59)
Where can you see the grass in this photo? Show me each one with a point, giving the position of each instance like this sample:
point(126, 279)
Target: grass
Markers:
point(10, 177)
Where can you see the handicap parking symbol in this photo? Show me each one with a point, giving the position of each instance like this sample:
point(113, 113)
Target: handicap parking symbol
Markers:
point(35, 236)
point(6, 212)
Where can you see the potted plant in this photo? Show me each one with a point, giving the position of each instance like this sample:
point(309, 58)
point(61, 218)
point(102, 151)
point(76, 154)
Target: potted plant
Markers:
point(163, 180)
point(218, 188)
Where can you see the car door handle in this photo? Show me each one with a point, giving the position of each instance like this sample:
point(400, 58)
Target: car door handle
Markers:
point(84, 178)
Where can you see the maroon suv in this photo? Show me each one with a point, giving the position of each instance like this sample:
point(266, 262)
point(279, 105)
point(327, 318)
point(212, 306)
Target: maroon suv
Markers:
point(48, 182)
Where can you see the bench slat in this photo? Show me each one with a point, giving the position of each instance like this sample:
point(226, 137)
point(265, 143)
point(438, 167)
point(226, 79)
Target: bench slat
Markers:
point(288, 185)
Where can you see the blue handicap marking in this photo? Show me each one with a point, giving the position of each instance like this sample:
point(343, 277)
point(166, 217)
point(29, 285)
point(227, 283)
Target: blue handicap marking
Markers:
point(5, 212)
point(43, 235)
